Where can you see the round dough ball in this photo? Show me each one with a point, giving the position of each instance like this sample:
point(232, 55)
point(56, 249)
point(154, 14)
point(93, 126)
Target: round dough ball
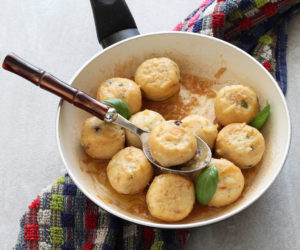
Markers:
point(172, 144)
point(241, 144)
point(170, 197)
point(129, 171)
point(201, 127)
point(159, 78)
point(101, 140)
point(236, 103)
point(145, 120)
point(230, 183)
point(121, 88)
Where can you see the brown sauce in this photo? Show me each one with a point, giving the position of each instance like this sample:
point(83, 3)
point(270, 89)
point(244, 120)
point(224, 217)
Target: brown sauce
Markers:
point(196, 96)
point(134, 204)
point(187, 100)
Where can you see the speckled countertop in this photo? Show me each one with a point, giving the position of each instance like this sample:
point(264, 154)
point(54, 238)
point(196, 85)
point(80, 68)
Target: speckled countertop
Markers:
point(59, 36)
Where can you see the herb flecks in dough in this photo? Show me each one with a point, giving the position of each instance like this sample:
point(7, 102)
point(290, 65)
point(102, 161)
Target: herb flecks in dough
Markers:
point(244, 104)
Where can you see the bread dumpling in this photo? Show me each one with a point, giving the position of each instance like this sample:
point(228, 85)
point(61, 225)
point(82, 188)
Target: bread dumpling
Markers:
point(201, 127)
point(146, 120)
point(101, 140)
point(241, 144)
point(129, 171)
point(236, 104)
point(171, 144)
point(170, 197)
point(159, 78)
point(230, 183)
point(122, 88)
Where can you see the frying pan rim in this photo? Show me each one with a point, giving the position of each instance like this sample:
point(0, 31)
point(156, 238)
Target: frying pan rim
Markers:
point(164, 224)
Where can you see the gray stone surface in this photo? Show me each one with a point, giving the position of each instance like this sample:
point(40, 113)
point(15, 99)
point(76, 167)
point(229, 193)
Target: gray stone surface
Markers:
point(59, 36)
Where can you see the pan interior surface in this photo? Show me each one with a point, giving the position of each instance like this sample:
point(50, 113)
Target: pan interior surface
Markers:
point(196, 55)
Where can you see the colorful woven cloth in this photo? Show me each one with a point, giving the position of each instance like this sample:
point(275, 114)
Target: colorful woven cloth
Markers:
point(62, 217)
point(256, 26)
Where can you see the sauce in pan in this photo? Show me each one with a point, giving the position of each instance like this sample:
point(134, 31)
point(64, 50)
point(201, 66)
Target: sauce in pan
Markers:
point(196, 96)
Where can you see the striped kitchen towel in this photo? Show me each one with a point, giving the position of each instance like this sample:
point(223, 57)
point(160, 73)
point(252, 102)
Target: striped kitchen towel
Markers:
point(62, 217)
point(256, 26)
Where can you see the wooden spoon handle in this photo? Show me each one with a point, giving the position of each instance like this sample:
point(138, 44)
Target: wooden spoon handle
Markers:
point(41, 78)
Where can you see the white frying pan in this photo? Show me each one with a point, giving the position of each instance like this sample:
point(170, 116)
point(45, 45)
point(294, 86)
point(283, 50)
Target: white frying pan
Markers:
point(195, 54)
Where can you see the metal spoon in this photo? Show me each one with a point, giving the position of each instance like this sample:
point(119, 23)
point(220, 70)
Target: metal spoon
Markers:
point(80, 99)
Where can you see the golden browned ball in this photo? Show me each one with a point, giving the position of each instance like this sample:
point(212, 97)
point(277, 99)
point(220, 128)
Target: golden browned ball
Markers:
point(230, 183)
point(101, 140)
point(129, 171)
point(241, 144)
point(201, 127)
point(159, 78)
point(146, 120)
point(172, 144)
point(122, 88)
point(170, 197)
point(236, 103)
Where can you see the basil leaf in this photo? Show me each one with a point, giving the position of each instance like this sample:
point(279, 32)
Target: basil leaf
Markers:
point(206, 184)
point(260, 119)
point(121, 107)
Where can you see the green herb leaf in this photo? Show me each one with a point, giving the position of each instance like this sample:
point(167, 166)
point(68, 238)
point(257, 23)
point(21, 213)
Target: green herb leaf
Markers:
point(121, 107)
point(261, 118)
point(206, 184)
point(244, 104)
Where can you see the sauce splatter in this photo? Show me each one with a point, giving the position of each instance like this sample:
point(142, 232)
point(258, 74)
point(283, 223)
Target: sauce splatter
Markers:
point(220, 72)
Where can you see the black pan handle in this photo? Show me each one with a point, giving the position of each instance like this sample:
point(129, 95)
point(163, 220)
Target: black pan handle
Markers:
point(113, 21)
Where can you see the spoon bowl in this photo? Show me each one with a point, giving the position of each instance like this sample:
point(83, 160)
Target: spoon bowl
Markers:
point(199, 161)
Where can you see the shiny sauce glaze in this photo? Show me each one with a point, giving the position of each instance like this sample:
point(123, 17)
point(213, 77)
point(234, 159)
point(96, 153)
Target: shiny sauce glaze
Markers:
point(196, 96)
